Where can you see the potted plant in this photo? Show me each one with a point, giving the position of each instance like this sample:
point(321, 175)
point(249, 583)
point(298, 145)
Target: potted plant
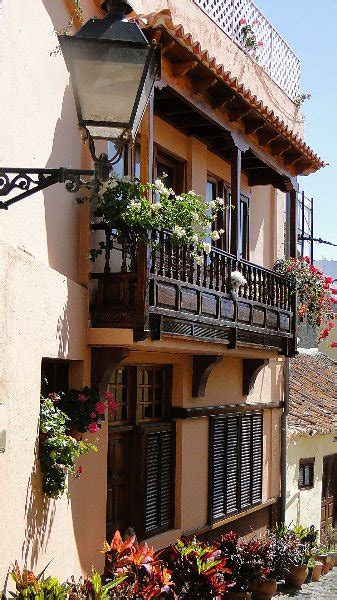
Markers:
point(317, 570)
point(234, 552)
point(321, 554)
point(329, 538)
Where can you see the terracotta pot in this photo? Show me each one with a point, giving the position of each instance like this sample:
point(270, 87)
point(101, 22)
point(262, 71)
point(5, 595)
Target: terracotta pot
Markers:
point(296, 575)
point(323, 558)
point(238, 595)
point(263, 589)
point(75, 433)
point(317, 571)
point(332, 558)
point(335, 553)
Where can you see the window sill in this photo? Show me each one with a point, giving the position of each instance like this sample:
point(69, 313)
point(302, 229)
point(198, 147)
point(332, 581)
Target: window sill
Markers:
point(235, 517)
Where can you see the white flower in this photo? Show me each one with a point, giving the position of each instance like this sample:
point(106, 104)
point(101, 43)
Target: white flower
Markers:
point(221, 231)
point(179, 231)
point(199, 260)
point(212, 204)
point(156, 206)
point(220, 201)
point(113, 183)
point(195, 216)
point(191, 193)
point(125, 179)
point(237, 279)
point(135, 205)
point(215, 235)
point(159, 186)
point(207, 247)
point(195, 238)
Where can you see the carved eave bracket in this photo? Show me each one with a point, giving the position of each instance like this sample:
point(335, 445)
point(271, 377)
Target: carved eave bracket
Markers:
point(103, 362)
point(251, 367)
point(203, 366)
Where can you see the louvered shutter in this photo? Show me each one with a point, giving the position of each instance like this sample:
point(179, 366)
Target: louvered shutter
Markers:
point(232, 464)
point(218, 437)
point(245, 462)
point(159, 445)
point(257, 455)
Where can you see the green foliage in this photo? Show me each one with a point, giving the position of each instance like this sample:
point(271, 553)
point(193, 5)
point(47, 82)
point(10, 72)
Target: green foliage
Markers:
point(33, 587)
point(125, 208)
point(58, 451)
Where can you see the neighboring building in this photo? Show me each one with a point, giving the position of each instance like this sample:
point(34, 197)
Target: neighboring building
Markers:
point(196, 445)
point(312, 441)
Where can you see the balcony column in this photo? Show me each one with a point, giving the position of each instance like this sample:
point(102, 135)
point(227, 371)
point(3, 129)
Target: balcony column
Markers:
point(291, 222)
point(239, 147)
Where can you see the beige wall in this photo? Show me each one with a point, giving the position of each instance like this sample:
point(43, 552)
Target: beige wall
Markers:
point(304, 506)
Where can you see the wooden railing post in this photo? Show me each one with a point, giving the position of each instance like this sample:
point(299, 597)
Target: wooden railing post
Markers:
point(142, 328)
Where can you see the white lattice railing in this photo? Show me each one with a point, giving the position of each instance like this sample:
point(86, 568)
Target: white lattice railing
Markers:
point(275, 56)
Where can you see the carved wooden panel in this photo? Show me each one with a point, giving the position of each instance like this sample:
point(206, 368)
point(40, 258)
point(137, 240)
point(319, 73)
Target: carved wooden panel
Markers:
point(166, 295)
point(209, 305)
point(271, 321)
point(243, 312)
point(259, 316)
point(189, 300)
point(226, 309)
point(284, 322)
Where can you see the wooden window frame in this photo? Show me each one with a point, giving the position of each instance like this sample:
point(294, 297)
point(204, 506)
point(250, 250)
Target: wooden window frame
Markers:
point(64, 364)
point(306, 462)
point(227, 242)
point(222, 419)
point(173, 161)
point(139, 431)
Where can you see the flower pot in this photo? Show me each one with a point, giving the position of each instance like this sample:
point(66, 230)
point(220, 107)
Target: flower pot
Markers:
point(309, 576)
point(317, 571)
point(296, 575)
point(263, 589)
point(323, 558)
point(332, 558)
point(74, 432)
point(232, 595)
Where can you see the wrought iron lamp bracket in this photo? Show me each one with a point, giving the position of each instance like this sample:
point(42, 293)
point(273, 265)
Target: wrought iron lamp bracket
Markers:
point(31, 181)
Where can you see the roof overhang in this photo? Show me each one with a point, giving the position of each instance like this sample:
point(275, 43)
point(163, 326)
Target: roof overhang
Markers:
point(201, 99)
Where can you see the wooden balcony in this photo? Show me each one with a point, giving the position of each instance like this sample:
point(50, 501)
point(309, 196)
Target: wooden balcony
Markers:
point(159, 291)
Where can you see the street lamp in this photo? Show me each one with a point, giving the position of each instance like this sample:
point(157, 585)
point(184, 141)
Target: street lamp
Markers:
point(112, 69)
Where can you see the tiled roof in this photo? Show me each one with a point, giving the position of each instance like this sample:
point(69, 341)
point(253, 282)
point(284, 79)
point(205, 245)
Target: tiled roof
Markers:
point(313, 393)
point(164, 19)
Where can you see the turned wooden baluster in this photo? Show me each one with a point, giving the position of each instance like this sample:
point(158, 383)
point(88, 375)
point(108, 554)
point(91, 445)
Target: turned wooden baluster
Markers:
point(107, 268)
point(184, 263)
point(191, 265)
point(154, 263)
point(211, 270)
point(223, 269)
point(217, 271)
point(161, 253)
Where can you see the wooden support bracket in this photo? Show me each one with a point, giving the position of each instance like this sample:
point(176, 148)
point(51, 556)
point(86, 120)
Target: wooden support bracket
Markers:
point(251, 367)
point(103, 362)
point(182, 68)
point(203, 365)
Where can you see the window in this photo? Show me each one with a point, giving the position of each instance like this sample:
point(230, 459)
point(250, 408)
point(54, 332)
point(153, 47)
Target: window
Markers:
point(54, 376)
point(141, 451)
point(167, 164)
point(217, 188)
point(236, 464)
point(306, 473)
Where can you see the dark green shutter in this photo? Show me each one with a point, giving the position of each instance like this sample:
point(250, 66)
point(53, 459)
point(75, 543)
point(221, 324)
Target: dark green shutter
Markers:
point(232, 464)
point(218, 435)
point(246, 462)
point(159, 478)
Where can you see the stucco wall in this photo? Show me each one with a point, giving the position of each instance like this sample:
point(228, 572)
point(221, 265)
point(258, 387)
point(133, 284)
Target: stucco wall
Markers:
point(304, 506)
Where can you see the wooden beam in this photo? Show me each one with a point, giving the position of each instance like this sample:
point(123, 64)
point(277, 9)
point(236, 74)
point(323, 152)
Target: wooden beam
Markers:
point(167, 46)
point(291, 156)
point(278, 147)
point(251, 367)
point(236, 113)
point(182, 68)
point(265, 137)
point(178, 412)
point(146, 144)
point(201, 85)
point(252, 126)
point(203, 365)
point(235, 200)
point(223, 100)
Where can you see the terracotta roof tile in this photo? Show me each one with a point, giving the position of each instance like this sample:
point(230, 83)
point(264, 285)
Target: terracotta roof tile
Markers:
point(313, 393)
point(164, 19)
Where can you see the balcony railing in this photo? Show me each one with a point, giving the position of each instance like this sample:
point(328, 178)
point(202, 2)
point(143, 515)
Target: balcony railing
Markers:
point(158, 289)
point(275, 56)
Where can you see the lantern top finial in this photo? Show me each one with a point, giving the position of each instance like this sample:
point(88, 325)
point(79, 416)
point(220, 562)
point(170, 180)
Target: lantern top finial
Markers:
point(120, 7)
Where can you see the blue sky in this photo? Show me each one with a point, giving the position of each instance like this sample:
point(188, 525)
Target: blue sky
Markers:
point(310, 28)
